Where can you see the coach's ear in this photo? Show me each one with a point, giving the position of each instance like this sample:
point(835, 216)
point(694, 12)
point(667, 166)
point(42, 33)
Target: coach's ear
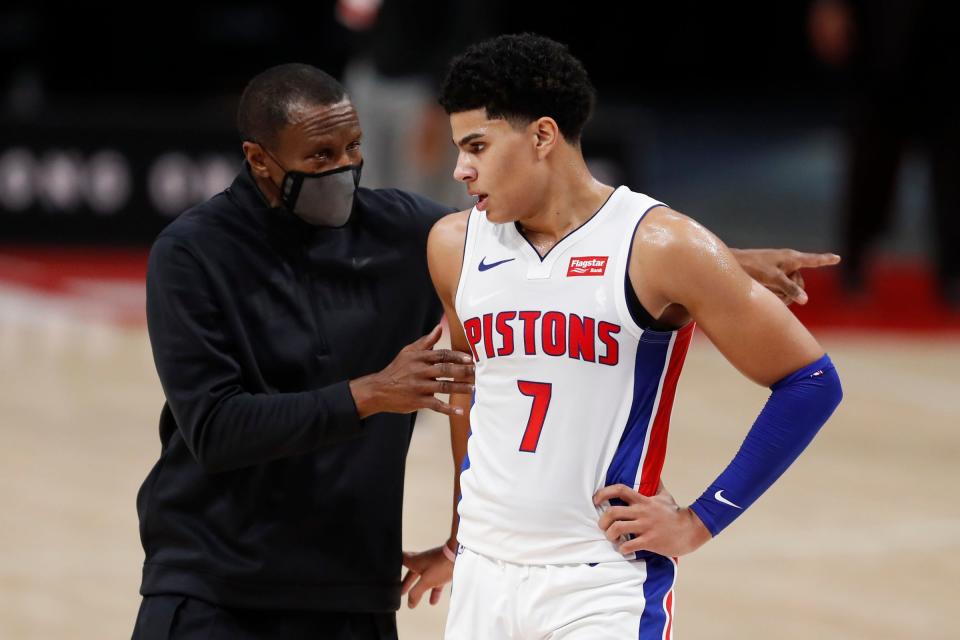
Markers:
point(546, 135)
point(256, 158)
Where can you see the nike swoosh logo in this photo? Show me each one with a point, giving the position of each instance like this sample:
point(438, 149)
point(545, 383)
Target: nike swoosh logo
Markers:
point(719, 496)
point(484, 267)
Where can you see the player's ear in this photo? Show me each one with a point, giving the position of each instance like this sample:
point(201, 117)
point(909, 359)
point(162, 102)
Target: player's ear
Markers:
point(547, 135)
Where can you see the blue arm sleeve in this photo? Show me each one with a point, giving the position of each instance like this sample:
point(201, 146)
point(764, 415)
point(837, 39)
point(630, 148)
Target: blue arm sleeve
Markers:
point(799, 405)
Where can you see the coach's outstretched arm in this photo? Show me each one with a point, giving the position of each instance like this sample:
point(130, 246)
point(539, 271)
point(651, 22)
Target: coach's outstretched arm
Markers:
point(228, 427)
point(680, 271)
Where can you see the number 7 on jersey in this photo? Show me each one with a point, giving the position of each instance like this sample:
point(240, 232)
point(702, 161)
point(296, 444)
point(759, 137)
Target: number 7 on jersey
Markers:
point(540, 392)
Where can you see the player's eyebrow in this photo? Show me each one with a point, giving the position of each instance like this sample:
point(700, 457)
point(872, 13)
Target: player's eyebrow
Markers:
point(467, 138)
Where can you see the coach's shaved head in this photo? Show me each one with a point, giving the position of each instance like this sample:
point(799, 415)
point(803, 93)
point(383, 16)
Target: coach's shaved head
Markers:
point(273, 97)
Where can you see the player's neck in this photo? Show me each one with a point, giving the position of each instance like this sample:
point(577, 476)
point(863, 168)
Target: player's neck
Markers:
point(574, 197)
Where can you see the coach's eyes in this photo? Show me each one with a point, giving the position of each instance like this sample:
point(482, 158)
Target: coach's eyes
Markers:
point(477, 147)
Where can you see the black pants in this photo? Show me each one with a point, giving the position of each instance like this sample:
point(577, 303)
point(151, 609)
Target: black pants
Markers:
point(182, 618)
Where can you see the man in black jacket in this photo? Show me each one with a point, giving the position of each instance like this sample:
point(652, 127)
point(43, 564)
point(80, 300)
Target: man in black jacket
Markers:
point(280, 483)
point(276, 311)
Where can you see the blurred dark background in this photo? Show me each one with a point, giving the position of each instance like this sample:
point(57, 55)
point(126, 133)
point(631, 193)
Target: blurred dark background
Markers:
point(198, 53)
point(825, 125)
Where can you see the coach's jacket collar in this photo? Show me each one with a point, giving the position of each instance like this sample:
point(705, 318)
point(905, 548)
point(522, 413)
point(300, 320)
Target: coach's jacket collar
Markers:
point(245, 193)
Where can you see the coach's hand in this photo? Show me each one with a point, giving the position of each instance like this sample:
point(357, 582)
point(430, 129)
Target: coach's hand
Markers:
point(657, 524)
point(426, 571)
point(409, 382)
point(779, 269)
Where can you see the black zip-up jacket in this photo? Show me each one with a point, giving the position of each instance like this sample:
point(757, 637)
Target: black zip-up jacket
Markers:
point(270, 492)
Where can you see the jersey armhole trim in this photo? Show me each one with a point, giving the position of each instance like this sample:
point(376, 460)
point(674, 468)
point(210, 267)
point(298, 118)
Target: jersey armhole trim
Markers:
point(468, 243)
point(633, 318)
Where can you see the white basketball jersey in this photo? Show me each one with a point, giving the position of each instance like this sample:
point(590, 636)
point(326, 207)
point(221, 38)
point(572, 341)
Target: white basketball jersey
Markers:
point(571, 394)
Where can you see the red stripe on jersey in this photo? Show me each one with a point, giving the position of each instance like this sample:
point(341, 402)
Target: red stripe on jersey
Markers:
point(669, 615)
point(657, 448)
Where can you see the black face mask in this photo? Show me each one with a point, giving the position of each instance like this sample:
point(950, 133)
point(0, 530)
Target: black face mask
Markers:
point(322, 199)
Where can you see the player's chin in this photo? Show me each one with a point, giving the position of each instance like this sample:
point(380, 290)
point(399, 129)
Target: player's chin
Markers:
point(492, 216)
point(497, 216)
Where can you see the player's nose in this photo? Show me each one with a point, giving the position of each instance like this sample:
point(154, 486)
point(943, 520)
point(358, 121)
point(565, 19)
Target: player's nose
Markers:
point(463, 172)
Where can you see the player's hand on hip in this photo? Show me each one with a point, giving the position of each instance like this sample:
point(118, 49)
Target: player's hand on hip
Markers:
point(409, 382)
point(654, 524)
point(664, 494)
point(426, 571)
point(779, 269)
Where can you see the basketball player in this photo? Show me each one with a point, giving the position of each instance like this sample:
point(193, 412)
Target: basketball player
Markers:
point(578, 300)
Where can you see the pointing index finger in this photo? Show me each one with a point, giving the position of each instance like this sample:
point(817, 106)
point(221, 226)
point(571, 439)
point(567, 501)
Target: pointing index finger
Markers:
point(801, 260)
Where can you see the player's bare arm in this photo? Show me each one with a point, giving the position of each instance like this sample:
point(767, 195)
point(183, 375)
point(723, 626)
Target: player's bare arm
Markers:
point(680, 271)
point(431, 570)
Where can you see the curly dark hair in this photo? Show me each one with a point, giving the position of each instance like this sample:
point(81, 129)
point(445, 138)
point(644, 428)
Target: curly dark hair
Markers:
point(271, 96)
point(521, 78)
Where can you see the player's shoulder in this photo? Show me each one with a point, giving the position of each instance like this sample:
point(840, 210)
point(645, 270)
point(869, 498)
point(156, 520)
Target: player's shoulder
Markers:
point(667, 234)
point(449, 231)
point(676, 259)
point(445, 247)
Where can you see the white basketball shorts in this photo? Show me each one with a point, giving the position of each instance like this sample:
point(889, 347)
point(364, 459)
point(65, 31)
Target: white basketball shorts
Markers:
point(496, 600)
